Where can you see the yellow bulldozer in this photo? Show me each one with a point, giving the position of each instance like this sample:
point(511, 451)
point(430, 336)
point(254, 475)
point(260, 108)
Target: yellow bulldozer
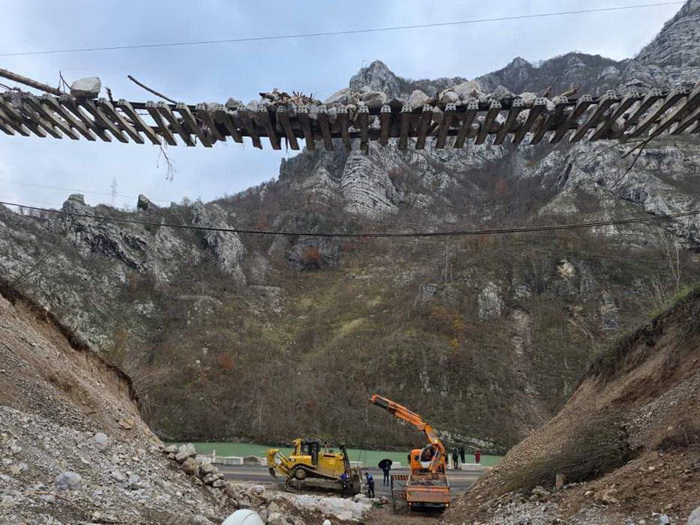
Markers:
point(313, 465)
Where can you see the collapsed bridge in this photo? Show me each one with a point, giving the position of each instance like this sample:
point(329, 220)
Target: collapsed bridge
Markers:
point(634, 115)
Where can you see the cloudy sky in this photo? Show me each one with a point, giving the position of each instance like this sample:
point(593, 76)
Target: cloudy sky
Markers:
point(44, 171)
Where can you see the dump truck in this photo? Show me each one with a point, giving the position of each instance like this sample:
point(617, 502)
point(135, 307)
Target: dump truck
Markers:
point(426, 486)
point(315, 466)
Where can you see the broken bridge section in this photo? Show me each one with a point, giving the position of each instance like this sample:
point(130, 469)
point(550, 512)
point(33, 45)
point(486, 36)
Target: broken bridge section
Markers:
point(635, 115)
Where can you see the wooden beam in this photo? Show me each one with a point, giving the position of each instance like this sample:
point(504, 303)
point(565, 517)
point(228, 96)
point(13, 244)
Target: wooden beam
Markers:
point(283, 119)
point(93, 125)
point(184, 110)
point(74, 122)
point(344, 123)
point(467, 119)
point(49, 116)
point(363, 123)
point(649, 100)
point(623, 106)
point(425, 119)
point(385, 122)
point(37, 120)
point(491, 115)
point(263, 116)
point(248, 124)
point(325, 126)
point(581, 106)
point(604, 103)
point(516, 107)
point(687, 122)
point(103, 121)
point(152, 108)
point(689, 104)
point(447, 117)
point(406, 115)
point(655, 114)
point(109, 111)
point(305, 121)
point(166, 111)
point(223, 116)
point(536, 110)
point(17, 120)
point(551, 119)
point(6, 126)
point(205, 115)
point(137, 121)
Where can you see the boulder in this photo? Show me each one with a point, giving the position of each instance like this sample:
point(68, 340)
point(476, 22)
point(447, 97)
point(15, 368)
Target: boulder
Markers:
point(68, 481)
point(341, 96)
point(207, 468)
point(233, 103)
point(86, 87)
point(143, 204)
point(449, 97)
point(190, 466)
point(101, 440)
point(374, 99)
point(244, 516)
point(418, 99)
point(490, 302)
point(528, 99)
point(694, 518)
point(185, 451)
point(468, 90)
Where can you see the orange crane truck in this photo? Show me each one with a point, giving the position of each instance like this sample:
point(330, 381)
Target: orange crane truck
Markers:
point(427, 485)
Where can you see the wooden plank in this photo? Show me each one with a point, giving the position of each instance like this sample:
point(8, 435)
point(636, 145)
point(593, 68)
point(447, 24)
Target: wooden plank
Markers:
point(604, 104)
point(467, 119)
point(385, 123)
point(49, 116)
point(363, 124)
point(163, 128)
point(425, 119)
point(137, 121)
point(344, 123)
point(687, 122)
point(165, 110)
point(224, 116)
point(37, 120)
point(447, 117)
point(550, 121)
point(623, 106)
point(184, 110)
point(283, 119)
point(263, 117)
point(324, 125)
point(689, 104)
point(581, 106)
point(5, 126)
point(491, 115)
point(516, 107)
point(244, 115)
point(305, 122)
point(89, 106)
point(206, 116)
point(674, 96)
point(110, 112)
point(14, 124)
point(406, 115)
point(536, 110)
point(649, 100)
point(71, 106)
point(19, 122)
point(74, 122)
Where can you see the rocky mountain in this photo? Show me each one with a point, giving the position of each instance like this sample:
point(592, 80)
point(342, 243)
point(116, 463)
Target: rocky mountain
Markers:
point(249, 336)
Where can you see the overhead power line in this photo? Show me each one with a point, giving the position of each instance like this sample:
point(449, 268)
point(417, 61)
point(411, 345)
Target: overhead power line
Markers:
point(375, 235)
point(89, 192)
point(336, 33)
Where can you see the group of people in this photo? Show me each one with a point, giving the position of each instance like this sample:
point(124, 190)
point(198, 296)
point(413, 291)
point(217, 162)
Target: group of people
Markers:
point(460, 454)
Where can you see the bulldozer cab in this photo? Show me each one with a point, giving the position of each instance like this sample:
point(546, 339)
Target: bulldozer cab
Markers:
point(308, 447)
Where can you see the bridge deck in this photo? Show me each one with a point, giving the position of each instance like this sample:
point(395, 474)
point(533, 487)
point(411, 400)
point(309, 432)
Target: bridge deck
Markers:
point(633, 116)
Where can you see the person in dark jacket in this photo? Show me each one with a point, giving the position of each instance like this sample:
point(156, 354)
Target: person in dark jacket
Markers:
point(462, 455)
point(455, 459)
point(385, 465)
point(370, 484)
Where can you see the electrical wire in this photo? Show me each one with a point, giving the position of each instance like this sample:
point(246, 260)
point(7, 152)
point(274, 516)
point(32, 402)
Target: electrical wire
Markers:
point(337, 33)
point(376, 235)
point(59, 188)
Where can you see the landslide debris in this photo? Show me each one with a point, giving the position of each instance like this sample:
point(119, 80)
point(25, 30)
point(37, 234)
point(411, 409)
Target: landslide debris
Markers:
point(627, 443)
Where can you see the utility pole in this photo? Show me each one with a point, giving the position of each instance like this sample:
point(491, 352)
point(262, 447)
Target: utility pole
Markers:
point(114, 192)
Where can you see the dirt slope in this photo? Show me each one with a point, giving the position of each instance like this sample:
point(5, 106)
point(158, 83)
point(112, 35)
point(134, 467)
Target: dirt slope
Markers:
point(64, 410)
point(628, 440)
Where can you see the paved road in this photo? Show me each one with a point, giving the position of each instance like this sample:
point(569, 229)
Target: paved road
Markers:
point(460, 480)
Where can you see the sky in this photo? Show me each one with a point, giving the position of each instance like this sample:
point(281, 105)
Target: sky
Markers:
point(43, 172)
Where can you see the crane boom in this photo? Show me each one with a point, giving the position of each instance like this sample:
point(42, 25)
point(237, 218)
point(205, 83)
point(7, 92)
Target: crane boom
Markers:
point(401, 412)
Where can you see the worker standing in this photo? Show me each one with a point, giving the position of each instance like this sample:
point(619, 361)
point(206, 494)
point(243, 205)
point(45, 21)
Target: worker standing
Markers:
point(455, 459)
point(385, 465)
point(477, 456)
point(462, 455)
point(370, 485)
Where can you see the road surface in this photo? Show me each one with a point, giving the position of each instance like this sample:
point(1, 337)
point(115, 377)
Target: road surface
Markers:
point(460, 480)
